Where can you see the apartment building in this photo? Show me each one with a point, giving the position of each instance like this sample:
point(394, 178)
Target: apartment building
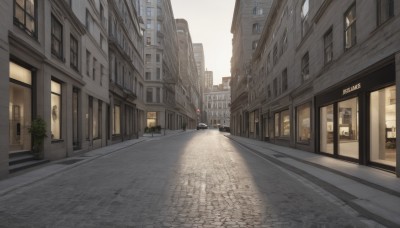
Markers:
point(126, 69)
point(161, 64)
point(217, 105)
point(329, 70)
point(247, 25)
point(189, 77)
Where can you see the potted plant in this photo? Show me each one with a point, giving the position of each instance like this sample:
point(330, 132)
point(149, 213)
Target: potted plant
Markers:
point(38, 132)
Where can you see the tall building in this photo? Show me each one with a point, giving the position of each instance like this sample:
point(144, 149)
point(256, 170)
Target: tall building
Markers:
point(189, 77)
point(329, 85)
point(247, 24)
point(208, 78)
point(126, 69)
point(161, 64)
point(200, 63)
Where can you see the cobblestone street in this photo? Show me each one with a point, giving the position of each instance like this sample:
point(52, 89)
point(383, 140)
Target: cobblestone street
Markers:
point(197, 179)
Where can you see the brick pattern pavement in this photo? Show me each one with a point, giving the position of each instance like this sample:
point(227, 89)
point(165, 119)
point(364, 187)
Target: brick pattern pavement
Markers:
point(199, 179)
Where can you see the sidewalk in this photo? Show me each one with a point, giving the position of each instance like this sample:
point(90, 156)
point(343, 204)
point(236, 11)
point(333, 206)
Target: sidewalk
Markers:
point(25, 178)
point(370, 191)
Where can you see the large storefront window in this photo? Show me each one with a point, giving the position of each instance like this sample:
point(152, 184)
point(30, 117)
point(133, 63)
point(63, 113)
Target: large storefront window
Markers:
point(383, 126)
point(282, 124)
point(326, 129)
point(304, 124)
point(251, 122)
point(55, 110)
point(117, 120)
point(348, 128)
point(20, 108)
point(151, 119)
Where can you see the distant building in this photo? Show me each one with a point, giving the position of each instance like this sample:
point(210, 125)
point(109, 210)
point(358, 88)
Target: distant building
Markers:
point(217, 105)
point(208, 78)
point(200, 63)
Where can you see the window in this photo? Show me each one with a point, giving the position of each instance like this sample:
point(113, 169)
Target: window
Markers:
point(158, 26)
point(304, 17)
point(254, 45)
point(25, 15)
point(385, 10)
point(269, 91)
point(256, 28)
point(56, 38)
point(149, 95)
point(87, 63)
point(251, 122)
point(303, 123)
point(284, 42)
point(89, 21)
point(148, 76)
point(148, 24)
point(350, 27)
point(94, 68)
point(275, 54)
point(148, 11)
point(102, 17)
point(148, 58)
point(151, 119)
point(117, 120)
point(269, 67)
point(148, 40)
point(55, 110)
point(158, 74)
point(328, 46)
point(158, 58)
point(102, 42)
point(282, 124)
point(275, 88)
point(73, 53)
point(305, 71)
point(284, 80)
point(101, 74)
point(258, 10)
point(96, 119)
point(383, 126)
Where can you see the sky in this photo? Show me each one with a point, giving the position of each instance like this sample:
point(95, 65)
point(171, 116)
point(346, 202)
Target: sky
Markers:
point(210, 24)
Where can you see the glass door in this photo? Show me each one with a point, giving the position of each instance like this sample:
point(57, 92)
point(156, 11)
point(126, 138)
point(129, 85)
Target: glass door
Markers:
point(348, 140)
point(327, 129)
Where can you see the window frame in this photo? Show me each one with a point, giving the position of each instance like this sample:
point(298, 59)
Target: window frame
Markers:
point(23, 25)
point(60, 40)
point(74, 53)
point(305, 26)
point(390, 8)
point(60, 97)
point(352, 27)
point(305, 66)
point(328, 33)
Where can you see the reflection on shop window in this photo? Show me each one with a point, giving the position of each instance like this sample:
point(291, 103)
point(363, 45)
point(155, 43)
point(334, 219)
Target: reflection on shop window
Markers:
point(117, 120)
point(326, 129)
point(303, 123)
point(151, 119)
point(55, 110)
point(20, 108)
point(383, 126)
point(348, 128)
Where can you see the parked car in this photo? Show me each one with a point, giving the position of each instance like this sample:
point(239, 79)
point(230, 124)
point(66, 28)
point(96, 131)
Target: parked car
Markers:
point(202, 126)
point(224, 128)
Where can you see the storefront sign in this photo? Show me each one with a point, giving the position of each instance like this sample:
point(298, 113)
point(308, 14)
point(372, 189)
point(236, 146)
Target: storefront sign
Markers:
point(352, 88)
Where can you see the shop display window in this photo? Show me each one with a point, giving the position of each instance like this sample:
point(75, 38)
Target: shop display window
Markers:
point(151, 119)
point(285, 123)
point(383, 126)
point(55, 110)
point(117, 120)
point(348, 128)
point(304, 123)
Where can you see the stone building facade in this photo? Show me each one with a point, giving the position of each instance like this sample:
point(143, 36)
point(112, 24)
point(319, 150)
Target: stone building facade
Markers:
point(328, 72)
point(198, 51)
point(247, 25)
point(126, 70)
point(56, 54)
point(161, 64)
point(188, 75)
point(217, 105)
point(209, 80)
